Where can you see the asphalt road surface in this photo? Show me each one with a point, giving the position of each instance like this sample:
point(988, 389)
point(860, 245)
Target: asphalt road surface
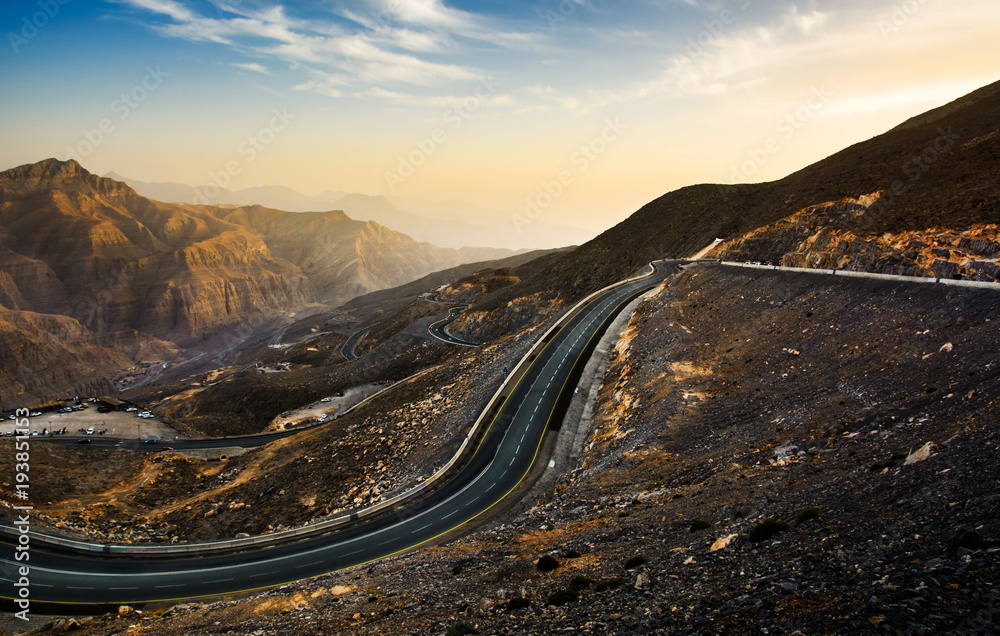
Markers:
point(501, 462)
point(348, 351)
point(439, 329)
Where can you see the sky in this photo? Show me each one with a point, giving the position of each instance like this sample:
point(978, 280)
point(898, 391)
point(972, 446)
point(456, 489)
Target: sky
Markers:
point(575, 111)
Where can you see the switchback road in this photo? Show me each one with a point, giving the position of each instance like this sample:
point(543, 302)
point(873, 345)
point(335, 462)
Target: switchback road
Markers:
point(532, 401)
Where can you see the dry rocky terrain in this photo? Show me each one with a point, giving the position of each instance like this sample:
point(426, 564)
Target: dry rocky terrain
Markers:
point(859, 416)
point(367, 456)
point(86, 260)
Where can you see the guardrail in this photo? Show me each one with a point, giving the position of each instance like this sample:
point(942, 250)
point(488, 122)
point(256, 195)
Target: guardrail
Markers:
point(465, 452)
point(853, 274)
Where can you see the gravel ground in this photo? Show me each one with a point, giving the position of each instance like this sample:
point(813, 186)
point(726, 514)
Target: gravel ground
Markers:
point(860, 416)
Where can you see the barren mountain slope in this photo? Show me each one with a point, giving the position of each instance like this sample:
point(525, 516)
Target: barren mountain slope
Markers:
point(863, 414)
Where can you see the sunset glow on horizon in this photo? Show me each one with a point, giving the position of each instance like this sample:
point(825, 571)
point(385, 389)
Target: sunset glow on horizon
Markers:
point(584, 109)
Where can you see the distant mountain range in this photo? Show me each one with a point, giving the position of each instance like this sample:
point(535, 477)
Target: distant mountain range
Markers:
point(93, 275)
point(96, 275)
point(450, 224)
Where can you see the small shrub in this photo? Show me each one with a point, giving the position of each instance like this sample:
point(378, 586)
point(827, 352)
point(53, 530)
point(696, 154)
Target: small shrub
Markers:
point(518, 603)
point(461, 629)
point(635, 562)
point(806, 514)
point(608, 584)
point(741, 513)
point(699, 524)
point(767, 529)
point(571, 554)
point(456, 570)
point(562, 597)
point(580, 582)
point(547, 563)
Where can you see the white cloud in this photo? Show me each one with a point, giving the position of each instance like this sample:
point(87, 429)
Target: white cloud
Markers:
point(253, 67)
point(430, 13)
point(379, 51)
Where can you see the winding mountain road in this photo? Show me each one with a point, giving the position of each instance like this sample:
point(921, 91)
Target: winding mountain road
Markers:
point(350, 347)
point(440, 329)
point(532, 401)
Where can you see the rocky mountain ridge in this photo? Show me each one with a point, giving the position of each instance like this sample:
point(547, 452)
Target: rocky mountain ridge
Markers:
point(147, 278)
point(821, 237)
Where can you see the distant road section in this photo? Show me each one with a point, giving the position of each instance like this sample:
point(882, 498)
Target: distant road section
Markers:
point(440, 329)
point(351, 345)
point(497, 456)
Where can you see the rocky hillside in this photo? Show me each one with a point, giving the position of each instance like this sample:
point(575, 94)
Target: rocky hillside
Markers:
point(46, 355)
point(771, 453)
point(934, 174)
point(145, 277)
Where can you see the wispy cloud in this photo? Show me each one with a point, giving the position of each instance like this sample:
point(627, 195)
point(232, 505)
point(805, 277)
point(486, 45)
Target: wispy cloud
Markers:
point(716, 62)
point(350, 51)
point(253, 67)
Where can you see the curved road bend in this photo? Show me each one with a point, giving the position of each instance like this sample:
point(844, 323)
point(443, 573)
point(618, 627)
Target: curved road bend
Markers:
point(507, 452)
point(348, 351)
point(440, 332)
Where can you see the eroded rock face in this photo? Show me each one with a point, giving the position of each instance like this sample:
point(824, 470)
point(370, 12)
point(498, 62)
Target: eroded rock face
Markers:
point(827, 236)
point(145, 277)
point(46, 355)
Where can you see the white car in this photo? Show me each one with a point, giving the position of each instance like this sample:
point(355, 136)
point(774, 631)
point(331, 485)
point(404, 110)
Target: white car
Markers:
point(90, 431)
point(325, 400)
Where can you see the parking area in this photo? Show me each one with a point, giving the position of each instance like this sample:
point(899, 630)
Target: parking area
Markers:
point(115, 424)
point(324, 410)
